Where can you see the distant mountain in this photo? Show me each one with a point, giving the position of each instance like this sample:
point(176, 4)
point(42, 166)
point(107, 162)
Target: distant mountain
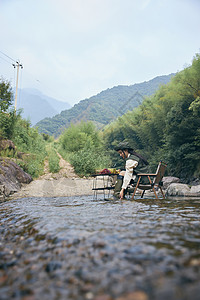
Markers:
point(37, 106)
point(104, 107)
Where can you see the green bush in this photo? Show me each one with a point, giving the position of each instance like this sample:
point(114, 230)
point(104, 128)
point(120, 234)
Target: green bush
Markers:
point(83, 147)
point(35, 168)
point(53, 161)
point(32, 164)
point(8, 153)
point(87, 160)
point(28, 140)
point(75, 137)
point(25, 138)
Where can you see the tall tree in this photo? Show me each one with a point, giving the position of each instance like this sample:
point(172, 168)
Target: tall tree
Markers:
point(6, 95)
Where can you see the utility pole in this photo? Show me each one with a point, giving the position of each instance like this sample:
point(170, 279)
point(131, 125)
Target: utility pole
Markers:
point(17, 65)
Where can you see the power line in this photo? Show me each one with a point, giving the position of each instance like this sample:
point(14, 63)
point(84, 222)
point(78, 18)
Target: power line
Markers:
point(7, 56)
point(5, 60)
point(15, 64)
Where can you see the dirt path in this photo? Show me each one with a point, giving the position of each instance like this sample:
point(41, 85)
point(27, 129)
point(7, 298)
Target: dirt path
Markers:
point(64, 183)
point(66, 170)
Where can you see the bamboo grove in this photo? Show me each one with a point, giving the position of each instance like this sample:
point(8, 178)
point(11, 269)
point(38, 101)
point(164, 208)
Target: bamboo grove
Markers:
point(166, 126)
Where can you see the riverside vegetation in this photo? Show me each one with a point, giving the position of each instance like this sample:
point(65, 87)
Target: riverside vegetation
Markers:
point(79, 248)
point(165, 126)
point(81, 144)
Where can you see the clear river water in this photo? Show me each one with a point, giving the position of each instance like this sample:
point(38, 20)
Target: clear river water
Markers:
point(80, 248)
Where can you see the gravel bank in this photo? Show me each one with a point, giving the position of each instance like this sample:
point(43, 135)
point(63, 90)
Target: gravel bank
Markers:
point(55, 187)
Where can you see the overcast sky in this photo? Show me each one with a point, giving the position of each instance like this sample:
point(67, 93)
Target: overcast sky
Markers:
point(74, 49)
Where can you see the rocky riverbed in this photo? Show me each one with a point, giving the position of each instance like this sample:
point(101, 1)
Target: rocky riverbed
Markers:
point(81, 248)
point(56, 243)
point(13, 180)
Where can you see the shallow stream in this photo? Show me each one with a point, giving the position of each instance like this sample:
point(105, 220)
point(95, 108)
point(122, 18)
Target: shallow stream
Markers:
point(80, 248)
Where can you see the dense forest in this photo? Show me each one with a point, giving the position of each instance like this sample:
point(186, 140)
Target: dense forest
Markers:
point(165, 126)
point(104, 107)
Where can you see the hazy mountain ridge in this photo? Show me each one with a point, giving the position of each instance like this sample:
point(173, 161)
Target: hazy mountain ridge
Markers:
point(103, 107)
point(37, 106)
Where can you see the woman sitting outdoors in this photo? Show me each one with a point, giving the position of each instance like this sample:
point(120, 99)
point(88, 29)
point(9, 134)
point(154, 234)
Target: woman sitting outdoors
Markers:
point(134, 164)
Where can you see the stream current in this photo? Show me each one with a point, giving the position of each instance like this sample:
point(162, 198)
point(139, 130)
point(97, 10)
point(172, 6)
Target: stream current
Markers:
point(80, 248)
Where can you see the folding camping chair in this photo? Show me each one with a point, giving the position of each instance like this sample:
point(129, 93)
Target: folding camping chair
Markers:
point(156, 182)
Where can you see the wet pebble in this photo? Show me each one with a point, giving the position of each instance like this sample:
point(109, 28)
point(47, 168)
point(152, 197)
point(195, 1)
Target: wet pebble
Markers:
point(52, 266)
point(137, 295)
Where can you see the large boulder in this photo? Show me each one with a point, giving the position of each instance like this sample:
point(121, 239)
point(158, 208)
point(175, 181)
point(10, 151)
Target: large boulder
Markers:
point(195, 190)
point(11, 177)
point(167, 180)
point(180, 189)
